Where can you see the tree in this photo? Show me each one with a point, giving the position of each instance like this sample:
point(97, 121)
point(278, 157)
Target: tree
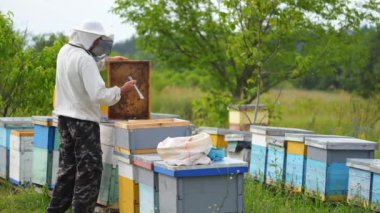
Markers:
point(247, 46)
point(11, 67)
point(27, 73)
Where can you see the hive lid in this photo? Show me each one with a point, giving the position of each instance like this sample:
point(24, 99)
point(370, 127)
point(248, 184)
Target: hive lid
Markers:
point(360, 163)
point(162, 115)
point(345, 143)
point(244, 136)
point(300, 137)
point(43, 120)
point(8, 122)
point(145, 160)
point(375, 166)
point(23, 132)
point(246, 107)
point(151, 123)
point(276, 140)
point(228, 166)
point(275, 131)
point(214, 130)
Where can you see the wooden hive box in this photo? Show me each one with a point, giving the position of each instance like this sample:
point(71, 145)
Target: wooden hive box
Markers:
point(375, 187)
point(359, 181)
point(296, 152)
point(21, 156)
point(217, 135)
point(239, 145)
point(143, 136)
point(217, 187)
point(259, 147)
point(148, 182)
point(130, 105)
point(128, 188)
point(326, 169)
point(242, 116)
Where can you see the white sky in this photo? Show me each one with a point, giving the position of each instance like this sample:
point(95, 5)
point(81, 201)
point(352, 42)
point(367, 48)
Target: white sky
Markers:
point(52, 16)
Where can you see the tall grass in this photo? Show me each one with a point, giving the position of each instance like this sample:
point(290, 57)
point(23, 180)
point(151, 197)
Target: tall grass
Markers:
point(15, 199)
point(262, 198)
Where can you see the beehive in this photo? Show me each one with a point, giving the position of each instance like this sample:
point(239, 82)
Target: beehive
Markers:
point(44, 132)
point(296, 153)
point(326, 169)
point(143, 136)
point(218, 187)
point(375, 188)
point(276, 160)
point(359, 181)
point(128, 187)
point(42, 166)
point(148, 182)
point(109, 186)
point(239, 146)
point(130, 105)
point(242, 116)
point(7, 124)
point(44, 158)
point(21, 157)
point(259, 150)
point(217, 135)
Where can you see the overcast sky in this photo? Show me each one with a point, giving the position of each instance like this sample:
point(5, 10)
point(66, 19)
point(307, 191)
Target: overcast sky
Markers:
point(52, 16)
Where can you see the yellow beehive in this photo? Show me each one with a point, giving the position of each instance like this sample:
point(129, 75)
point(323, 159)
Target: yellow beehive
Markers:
point(242, 116)
point(128, 188)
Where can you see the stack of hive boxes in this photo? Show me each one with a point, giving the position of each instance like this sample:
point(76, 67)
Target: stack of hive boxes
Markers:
point(217, 187)
point(326, 169)
point(109, 187)
point(6, 126)
point(262, 155)
point(135, 137)
point(43, 150)
point(21, 157)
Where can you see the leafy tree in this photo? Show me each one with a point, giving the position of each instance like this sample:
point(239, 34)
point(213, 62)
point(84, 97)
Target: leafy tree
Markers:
point(27, 73)
point(12, 74)
point(247, 46)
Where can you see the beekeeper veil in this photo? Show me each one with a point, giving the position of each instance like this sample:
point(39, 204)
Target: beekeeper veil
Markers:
point(91, 36)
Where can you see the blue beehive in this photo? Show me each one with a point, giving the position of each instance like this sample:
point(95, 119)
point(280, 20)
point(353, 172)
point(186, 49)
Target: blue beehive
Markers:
point(44, 132)
point(296, 152)
point(326, 169)
point(375, 189)
point(276, 160)
point(259, 150)
point(7, 124)
point(217, 187)
point(148, 182)
point(359, 181)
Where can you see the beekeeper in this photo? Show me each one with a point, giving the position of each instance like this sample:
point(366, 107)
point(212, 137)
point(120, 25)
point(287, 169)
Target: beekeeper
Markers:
point(79, 91)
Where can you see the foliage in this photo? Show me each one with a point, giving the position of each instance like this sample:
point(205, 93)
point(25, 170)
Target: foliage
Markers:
point(27, 72)
point(244, 44)
point(210, 111)
point(11, 72)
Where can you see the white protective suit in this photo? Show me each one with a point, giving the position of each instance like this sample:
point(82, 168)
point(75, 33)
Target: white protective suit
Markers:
point(79, 86)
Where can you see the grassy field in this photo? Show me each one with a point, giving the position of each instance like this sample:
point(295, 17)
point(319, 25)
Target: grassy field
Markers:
point(324, 112)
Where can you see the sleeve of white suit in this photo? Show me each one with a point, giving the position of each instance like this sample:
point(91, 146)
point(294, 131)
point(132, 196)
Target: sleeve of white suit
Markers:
point(95, 85)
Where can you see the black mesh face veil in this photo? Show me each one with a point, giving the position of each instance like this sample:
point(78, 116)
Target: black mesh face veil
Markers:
point(102, 47)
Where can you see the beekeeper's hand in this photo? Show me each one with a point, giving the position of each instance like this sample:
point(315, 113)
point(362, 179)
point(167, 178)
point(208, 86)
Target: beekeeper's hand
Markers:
point(128, 86)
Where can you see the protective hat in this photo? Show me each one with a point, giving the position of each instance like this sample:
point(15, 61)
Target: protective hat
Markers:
point(93, 27)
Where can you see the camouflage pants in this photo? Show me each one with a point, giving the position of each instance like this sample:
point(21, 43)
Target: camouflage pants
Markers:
point(80, 166)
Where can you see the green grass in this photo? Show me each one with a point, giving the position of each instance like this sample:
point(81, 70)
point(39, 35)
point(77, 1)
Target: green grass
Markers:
point(15, 199)
point(261, 198)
